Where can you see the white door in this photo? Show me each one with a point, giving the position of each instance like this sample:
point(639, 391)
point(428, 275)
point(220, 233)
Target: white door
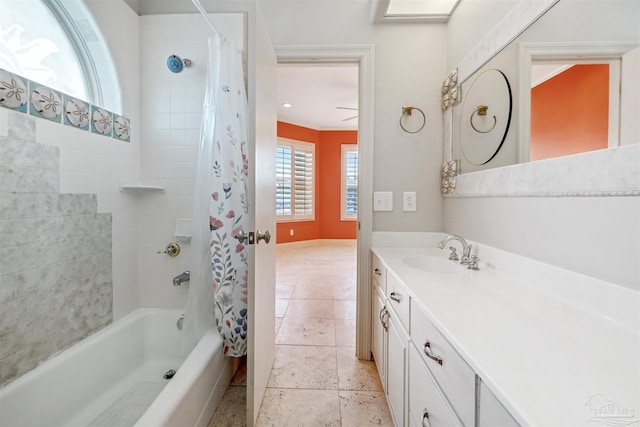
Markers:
point(262, 256)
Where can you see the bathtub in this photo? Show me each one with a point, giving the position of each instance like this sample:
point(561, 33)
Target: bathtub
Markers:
point(115, 378)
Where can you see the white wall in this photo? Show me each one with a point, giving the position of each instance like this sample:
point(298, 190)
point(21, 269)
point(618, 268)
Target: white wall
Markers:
point(410, 64)
point(598, 236)
point(171, 115)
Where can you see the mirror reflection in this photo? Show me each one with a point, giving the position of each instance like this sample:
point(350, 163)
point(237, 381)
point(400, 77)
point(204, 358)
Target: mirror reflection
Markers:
point(575, 78)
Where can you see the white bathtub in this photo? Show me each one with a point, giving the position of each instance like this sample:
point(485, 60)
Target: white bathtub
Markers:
point(115, 378)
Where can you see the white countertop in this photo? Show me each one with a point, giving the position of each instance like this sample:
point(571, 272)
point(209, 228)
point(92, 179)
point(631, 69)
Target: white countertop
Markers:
point(543, 346)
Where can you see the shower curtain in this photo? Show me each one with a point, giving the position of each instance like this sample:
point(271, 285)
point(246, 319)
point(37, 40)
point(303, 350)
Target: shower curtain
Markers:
point(218, 284)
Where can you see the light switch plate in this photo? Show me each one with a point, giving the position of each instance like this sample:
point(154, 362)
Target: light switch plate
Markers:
point(382, 201)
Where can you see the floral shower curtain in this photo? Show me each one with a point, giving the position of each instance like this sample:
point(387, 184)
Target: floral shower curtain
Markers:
point(220, 270)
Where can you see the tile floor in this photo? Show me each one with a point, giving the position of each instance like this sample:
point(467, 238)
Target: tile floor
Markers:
point(316, 379)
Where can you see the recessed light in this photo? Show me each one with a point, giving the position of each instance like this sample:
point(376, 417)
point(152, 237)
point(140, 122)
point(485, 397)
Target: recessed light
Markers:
point(287, 105)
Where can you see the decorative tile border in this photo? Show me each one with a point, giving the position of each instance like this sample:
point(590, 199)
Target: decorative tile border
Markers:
point(26, 96)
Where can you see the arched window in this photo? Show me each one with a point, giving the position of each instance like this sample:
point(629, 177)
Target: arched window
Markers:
point(56, 43)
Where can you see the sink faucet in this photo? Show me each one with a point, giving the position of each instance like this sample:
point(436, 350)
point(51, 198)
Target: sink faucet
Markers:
point(184, 277)
point(466, 248)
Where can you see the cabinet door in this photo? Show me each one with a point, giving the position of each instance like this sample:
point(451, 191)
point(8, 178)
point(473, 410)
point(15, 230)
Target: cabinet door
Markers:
point(427, 406)
point(491, 412)
point(379, 338)
point(398, 341)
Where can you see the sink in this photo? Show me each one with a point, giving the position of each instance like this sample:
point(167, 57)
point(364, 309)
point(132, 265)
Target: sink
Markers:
point(432, 264)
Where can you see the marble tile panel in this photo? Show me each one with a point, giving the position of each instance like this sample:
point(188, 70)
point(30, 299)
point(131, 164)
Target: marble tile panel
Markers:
point(19, 179)
point(22, 126)
point(23, 283)
point(304, 367)
point(345, 332)
point(284, 291)
point(354, 374)
point(307, 332)
point(364, 408)
point(278, 323)
point(310, 309)
point(295, 408)
point(23, 153)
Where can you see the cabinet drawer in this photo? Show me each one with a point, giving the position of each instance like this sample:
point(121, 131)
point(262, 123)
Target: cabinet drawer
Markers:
point(398, 298)
point(425, 397)
point(454, 376)
point(379, 273)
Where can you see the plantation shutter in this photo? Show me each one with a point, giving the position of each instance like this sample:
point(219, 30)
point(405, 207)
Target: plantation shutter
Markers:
point(351, 171)
point(294, 180)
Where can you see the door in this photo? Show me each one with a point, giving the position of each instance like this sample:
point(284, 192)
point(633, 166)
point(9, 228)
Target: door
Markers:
point(262, 255)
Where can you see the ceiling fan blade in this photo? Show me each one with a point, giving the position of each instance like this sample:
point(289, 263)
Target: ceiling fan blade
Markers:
point(349, 118)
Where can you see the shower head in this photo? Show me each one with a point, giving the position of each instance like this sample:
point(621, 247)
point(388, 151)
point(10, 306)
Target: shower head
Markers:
point(176, 64)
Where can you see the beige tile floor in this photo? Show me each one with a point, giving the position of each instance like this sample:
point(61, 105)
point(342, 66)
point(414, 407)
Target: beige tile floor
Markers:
point(316, 379)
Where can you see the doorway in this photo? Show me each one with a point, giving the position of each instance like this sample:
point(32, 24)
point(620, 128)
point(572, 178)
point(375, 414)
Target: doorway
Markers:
point(363, 56)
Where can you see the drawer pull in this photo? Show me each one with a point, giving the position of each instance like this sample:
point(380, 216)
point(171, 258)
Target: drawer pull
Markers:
point(378, 272)
point(425, 418)
point(395, 296)
point(427, 351)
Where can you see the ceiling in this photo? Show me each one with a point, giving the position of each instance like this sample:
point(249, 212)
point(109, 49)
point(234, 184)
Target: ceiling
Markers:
point(315, 90)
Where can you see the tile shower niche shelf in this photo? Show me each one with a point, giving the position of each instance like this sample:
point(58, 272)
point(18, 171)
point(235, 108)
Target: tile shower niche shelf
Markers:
point(130, 187)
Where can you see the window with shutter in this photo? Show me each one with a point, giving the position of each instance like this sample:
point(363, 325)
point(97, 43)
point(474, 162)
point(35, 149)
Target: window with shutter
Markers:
point(294, 180)
point(349, 197)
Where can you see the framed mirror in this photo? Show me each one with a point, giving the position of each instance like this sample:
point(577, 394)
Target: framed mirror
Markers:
point(594, 40)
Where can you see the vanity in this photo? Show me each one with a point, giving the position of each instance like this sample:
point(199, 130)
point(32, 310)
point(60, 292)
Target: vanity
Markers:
point(517, 342)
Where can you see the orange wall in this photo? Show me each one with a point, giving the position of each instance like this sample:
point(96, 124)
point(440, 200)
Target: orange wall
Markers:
point(572, 107)
point(327, 224)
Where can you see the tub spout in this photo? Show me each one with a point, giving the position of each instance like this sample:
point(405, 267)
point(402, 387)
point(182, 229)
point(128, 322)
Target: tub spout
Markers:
point(184, 277)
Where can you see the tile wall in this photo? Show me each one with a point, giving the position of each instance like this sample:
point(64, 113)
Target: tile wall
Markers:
point(170, 120)
point(56, 284)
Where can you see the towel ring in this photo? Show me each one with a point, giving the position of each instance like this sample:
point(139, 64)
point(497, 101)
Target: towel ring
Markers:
point(406, 111)
point(482, 111)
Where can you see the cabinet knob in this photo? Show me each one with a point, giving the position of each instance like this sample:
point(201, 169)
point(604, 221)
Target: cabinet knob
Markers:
point(430, 355)
point(378, 272)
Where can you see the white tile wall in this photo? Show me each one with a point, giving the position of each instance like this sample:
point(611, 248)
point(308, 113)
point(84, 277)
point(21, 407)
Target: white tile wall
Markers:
point(171, 116)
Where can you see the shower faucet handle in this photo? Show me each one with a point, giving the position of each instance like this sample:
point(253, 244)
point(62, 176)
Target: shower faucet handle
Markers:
point(172, 249)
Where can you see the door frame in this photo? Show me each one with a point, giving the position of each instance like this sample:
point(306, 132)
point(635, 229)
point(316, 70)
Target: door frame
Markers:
point(363, 55)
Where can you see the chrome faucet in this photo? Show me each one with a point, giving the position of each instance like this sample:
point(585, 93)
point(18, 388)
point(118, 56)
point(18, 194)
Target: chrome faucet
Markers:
point(466, 248)
point(184, 277)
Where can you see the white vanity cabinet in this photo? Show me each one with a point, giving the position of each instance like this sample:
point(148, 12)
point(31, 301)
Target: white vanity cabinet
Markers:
point(379, 318)
point(454, 376)
point(427, 406)
point(390, 340)
point(491, 413)
point(397, 347)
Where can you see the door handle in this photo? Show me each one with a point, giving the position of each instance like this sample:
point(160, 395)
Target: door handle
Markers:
point(425, 418)
point(266, 236)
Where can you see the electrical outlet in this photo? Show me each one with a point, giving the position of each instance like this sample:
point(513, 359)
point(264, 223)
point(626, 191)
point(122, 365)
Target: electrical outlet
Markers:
point(409, 201)
point(382, 201)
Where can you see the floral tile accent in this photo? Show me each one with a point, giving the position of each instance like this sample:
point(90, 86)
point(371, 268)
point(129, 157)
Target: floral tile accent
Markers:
point(121, 128)
point(76, 112)
point(14, 91)
point(45, 102)
point(101, 121)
